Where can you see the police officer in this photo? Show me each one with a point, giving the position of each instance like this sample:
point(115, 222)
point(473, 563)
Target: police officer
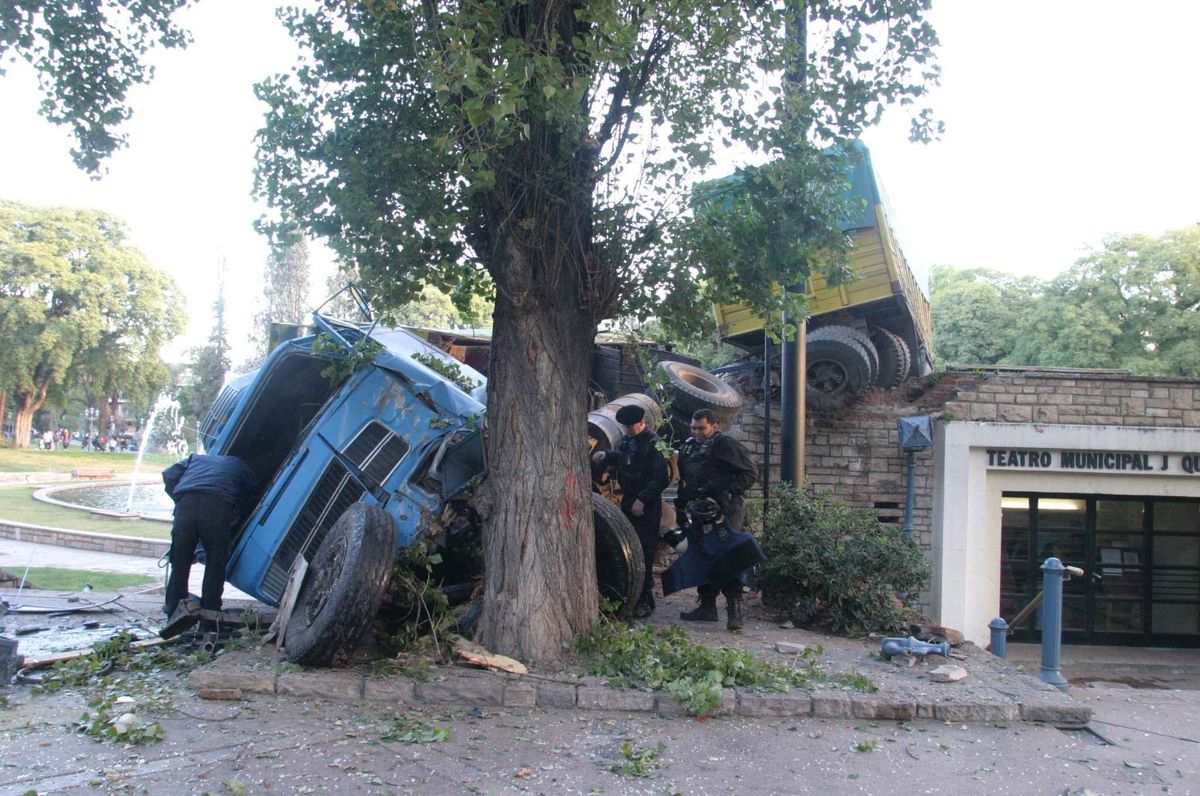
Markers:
point(211, 494)
point(642, 474)
point(714, 465)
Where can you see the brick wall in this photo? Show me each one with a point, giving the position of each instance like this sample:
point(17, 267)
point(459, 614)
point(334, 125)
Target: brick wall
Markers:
point(853, 454)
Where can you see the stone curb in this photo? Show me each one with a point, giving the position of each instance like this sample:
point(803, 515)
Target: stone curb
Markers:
point(483, 689)
point(84, 540)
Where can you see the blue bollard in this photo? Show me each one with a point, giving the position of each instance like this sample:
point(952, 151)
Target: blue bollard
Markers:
point(999, 643)
point(1052, 584)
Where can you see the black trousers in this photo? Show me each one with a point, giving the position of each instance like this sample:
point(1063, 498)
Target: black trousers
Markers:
point(647, 527)
point(207, 519)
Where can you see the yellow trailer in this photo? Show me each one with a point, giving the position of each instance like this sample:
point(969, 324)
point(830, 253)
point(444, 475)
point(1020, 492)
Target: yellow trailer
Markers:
point(873, 331)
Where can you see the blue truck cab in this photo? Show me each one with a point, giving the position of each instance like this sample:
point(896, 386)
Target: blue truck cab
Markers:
point(364, 441)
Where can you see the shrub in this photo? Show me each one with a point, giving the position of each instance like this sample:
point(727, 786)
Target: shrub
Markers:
point(836, 567)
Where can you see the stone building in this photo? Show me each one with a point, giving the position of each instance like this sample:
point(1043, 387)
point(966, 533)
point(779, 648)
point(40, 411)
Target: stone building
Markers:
point(1098, 468)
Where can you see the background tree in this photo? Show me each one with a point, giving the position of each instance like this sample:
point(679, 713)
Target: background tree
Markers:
point(77, 300)
point(978, 314)
point(285, 293)
point(209, 363)
point(551, 146)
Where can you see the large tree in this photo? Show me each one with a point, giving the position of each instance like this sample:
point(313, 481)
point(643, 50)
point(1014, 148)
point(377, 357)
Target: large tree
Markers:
point(209, 362)
point(978, 314)
point(551, 145)
point(78, 302)
point(284, 296)
point(1134, 303)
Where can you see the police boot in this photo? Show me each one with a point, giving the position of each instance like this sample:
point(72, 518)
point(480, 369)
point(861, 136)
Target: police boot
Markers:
point(733, 610)
point(705, 612)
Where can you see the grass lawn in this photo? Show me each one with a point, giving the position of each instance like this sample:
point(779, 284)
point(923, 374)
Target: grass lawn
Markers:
point(17, 504)
point(13, 460)
point(51, 579)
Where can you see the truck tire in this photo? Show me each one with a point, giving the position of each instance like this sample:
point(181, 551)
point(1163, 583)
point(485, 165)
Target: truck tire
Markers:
point(864, 342)
point(620, 566)
point(838, 369)
point(895, 360)
point(693, 388)
point(346, 582)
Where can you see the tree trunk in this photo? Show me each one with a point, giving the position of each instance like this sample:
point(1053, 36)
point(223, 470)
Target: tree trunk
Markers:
point(539, 549)
point(27, 405)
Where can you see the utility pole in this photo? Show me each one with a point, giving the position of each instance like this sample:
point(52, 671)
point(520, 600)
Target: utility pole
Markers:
point(794, 366)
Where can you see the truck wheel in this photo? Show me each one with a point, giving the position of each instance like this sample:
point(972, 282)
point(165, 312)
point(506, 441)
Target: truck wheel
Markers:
point(895, 360)
point(864, 342)
point(838, 368)
point(693, 388)
point(346, 581)
point(620, 566)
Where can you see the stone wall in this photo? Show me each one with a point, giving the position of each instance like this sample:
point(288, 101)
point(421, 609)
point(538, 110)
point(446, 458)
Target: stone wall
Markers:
point(854, 455)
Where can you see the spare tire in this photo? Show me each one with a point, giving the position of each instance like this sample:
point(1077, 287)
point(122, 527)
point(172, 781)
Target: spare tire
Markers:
point(838, 369)
point(346, 581)
point(693, 388)
point(895, 360)
point(620, 566)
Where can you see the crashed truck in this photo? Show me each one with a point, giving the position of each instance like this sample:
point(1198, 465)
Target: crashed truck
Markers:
point(354, 467)
point(873, 331)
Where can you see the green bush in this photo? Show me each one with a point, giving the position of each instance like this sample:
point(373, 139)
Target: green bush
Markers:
point(836, 567)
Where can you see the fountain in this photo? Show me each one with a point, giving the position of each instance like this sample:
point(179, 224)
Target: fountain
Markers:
point(163, 404)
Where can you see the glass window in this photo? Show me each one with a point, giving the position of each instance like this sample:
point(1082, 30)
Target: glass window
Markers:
point(1118, 616)
point(1066, 514)
point(1176, 551)
point(1170, 515)
point(1119, 515)
point(1182, 619)
point(1014, 512)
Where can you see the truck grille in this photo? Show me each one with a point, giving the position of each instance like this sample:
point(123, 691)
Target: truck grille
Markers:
point(376, 451)
point(334, 493)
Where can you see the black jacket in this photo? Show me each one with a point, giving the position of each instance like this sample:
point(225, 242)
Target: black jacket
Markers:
point(641, 467)
point(227, 477)
point(719, 467)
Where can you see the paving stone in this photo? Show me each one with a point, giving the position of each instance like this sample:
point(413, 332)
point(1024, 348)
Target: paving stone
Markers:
point(601, 698)
point(324, 685)
point(832, 706)
point(872, 707)
point(398, 690)
point(253, 682)
point(753, 703)
point(1056, 712)
point(556, 695)
point(230, 694)
point(460, 690)
point(976, 711)
point(520, 695)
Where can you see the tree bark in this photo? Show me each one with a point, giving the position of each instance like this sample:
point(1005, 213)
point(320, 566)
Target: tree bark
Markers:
point(27, 405)
point(539, 548)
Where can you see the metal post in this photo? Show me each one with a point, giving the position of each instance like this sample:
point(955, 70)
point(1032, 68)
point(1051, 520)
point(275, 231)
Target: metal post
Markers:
point(1052, 584)
point(911, 461)
point(999, 643)
point(766, 425)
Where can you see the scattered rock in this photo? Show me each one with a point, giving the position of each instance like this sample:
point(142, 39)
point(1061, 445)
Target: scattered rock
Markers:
point(948, 674)
point(904, 661)
point(789, 648)
point(936, 634)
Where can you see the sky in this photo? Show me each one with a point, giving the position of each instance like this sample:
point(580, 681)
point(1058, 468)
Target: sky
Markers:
point(1066, 121)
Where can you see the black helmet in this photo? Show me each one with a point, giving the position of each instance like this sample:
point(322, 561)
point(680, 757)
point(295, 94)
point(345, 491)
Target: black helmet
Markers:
point(703, 511)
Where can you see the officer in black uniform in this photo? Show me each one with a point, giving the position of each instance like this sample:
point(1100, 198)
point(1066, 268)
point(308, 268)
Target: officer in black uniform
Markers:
point(211, 494)
point(715, 465)
point(642, 474)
